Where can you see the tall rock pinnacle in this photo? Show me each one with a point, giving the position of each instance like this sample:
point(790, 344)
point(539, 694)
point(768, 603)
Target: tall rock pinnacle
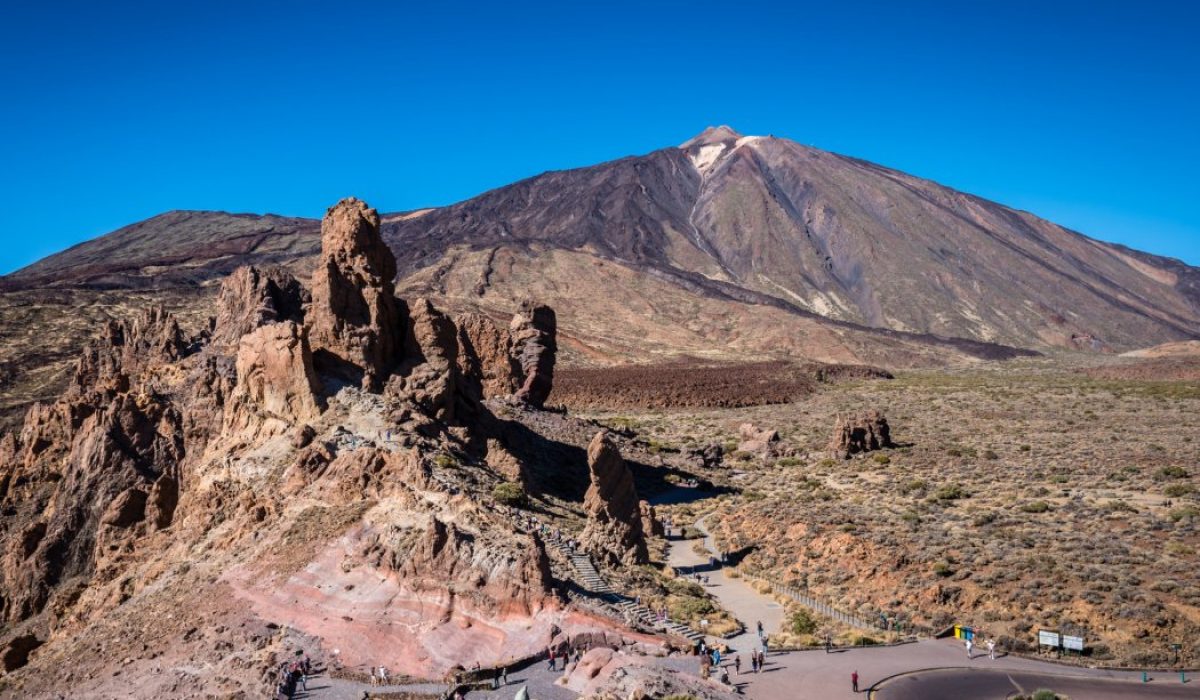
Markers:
point(354, 326)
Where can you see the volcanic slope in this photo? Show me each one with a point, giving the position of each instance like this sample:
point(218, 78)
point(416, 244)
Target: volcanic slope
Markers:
point(727, 247)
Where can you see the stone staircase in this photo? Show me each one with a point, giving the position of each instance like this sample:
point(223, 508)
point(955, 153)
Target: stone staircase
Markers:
point(594, 583)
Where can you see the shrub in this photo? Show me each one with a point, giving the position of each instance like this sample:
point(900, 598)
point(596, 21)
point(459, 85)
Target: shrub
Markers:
point(914, 485)
point(1178, 514)
point(509, 494)
point(1177, 490)
point(943, 569)
point(802, 622)
point(882, 459)
point(951, 492)
point(1173, 472)
point(445, 461)
point(1035, 507)
point(984, 519)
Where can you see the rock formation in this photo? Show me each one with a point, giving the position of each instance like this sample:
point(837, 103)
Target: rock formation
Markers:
point(534, 343)
point(242, 448)
point(353, 321)
point(757, 441)
point(651, 525)
point(860, 433)
point(251, 297)
point(485, 352)
point(710, 456)
point(275, 378)
point(614, 525)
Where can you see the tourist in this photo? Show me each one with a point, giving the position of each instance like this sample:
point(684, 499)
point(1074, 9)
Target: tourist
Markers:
point(551, 658)
point(383, 678)
point(991, 645)
point(760, 629)
point(504, 675)
point(374, 677)
point(854, 681)
point(725, 676)
point(496, 680)
point(970, 646)
point(737, 664)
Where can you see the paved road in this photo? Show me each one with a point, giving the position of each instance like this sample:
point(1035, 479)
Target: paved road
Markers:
point(986, 684)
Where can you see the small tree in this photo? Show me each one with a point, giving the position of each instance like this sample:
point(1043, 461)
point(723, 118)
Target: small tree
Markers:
point(509, 493)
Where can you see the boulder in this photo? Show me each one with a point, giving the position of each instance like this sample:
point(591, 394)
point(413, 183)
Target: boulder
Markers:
point(534, 329)
point(614, 522)
point(757, 441)
point(162, 501)
point(128, 509)
point(710, 456)
point(353, 322)
point(863, 432)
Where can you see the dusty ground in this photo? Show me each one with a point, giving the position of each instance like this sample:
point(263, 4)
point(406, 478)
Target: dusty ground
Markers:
point(1024, 495)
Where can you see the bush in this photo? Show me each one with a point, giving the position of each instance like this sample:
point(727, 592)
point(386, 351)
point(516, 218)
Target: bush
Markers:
point(914, 485)
point(882, 459)
point(943, 569)
point(1173, 472)
point(1177, 490)
point(509, 494)
point(1035, 507)
point(802, 622)
point(1178, 514)
point(951, 492)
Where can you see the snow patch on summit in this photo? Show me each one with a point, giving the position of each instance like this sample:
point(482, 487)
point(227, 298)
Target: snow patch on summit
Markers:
point(707, 156)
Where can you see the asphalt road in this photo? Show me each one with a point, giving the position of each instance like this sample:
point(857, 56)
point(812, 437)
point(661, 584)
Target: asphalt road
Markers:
point(989, 684)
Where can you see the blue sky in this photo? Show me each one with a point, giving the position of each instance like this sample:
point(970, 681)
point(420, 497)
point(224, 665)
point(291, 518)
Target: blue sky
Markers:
point(1086, 113)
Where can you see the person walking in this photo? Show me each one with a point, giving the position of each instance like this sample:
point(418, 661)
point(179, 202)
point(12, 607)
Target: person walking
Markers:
point(760, 629)
point(551, 658)
point(496, 680)
point(854, 681)
point(970, 646)
point(991, 645)
point(504, 675)
point(737, 664)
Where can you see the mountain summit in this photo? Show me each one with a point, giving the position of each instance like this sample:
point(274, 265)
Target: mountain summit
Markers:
point(725, 246)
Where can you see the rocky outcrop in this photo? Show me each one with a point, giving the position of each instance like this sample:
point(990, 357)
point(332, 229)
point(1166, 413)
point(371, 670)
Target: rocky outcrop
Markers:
point(860, 433)
point(651, 525)
point(353, 321)
point(485, 358)
point(275, 379)
point(710, 456)
point(128, 349)
point(614, 521)
point(16, 653)
point(534, 331)
point(430, 369)
point(500, 577)
point(755, 440)
point(251, 297)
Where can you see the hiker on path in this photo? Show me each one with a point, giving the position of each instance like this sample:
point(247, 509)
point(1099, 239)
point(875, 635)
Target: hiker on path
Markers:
point(504, 675)
point(383, 680)
point(991, 645)
point(737, 664)
point(551, 658)
point(760, 628)
point(970, 646)
point(854, 681)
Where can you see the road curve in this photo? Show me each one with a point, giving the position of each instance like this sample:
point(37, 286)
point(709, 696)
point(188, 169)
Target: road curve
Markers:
point(989, 684)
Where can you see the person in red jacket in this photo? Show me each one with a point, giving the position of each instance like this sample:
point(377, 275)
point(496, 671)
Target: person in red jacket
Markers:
point(854, 681)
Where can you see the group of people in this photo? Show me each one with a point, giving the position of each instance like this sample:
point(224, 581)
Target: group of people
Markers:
point(553, 656)
point(990, 644)
point(291, 675)
point(379, 676)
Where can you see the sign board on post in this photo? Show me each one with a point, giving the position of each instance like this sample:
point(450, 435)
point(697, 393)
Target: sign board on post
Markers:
point(1047, 639)
point(1072, 643)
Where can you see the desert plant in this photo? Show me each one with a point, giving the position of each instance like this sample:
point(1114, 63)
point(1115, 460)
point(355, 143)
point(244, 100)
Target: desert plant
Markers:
point(509, 493)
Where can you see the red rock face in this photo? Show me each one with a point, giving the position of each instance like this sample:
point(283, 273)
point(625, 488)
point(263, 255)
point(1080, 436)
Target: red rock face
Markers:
point(614, 528)
point(353, 323)
point(534, 329)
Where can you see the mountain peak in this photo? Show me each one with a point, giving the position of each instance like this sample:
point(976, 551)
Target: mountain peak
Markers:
point(712, 135)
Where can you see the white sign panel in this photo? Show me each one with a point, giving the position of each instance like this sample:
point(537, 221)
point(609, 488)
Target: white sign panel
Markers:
point(1073, 643)
point(1047, 639)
